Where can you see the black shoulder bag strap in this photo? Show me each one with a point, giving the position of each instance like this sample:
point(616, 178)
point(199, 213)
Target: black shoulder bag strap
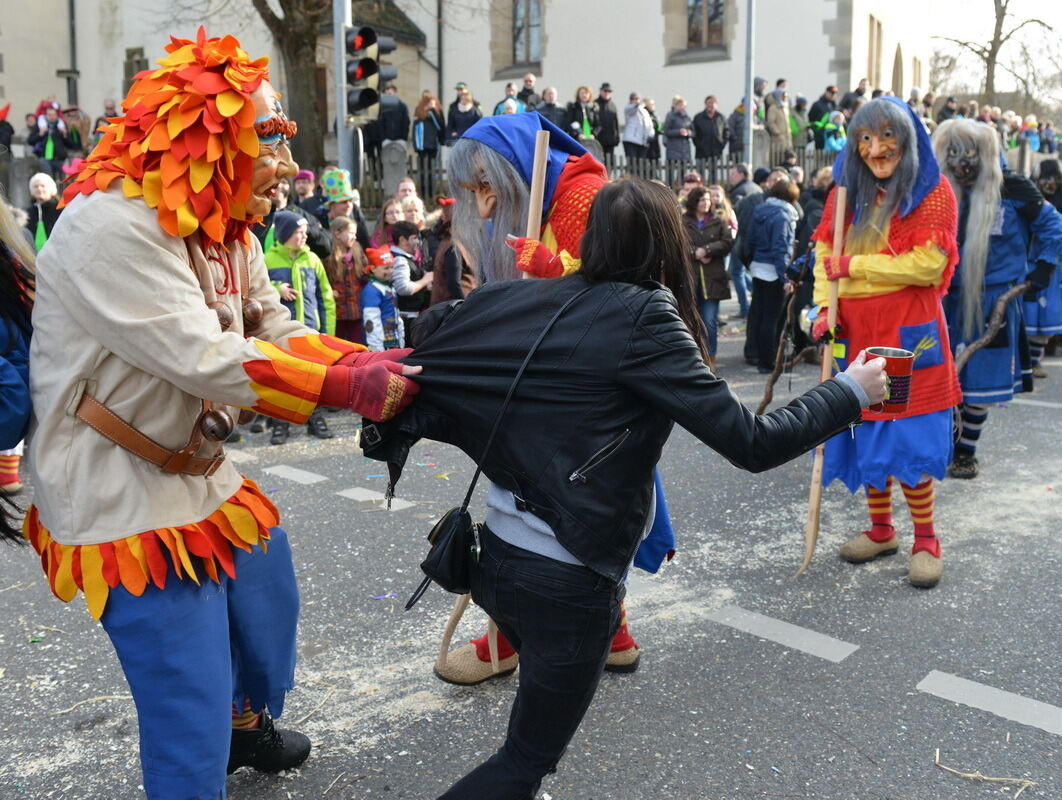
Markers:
point(424, 584)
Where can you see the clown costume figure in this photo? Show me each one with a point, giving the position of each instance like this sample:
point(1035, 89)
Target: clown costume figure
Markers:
point(155, 324)
point(1004, 223)
point(899, 254)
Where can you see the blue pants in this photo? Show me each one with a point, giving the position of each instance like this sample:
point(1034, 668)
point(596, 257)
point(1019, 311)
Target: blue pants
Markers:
point(189, 652)
point(710, 315)
point(742, 287)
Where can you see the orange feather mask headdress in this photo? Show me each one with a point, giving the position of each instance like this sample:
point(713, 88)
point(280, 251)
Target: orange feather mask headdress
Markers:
point(187, 143)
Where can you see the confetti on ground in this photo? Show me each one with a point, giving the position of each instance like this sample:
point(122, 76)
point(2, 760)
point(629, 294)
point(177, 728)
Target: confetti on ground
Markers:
point(270, 491)
point(385, 596)
point(444, 475)
point(381, 475)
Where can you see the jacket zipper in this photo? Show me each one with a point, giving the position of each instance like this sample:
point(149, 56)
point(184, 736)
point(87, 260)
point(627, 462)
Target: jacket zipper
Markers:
point(597, 458)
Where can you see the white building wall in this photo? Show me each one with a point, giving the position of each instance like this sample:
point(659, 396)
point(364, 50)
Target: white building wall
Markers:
point(107, 27)
point(901, 26)
point(34, 44)
point(627, 49)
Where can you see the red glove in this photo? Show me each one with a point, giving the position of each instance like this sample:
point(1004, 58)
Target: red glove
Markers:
point(820, 330)
point(363, 358)
point(377, 391)
point(837, 267)
point(536, 259)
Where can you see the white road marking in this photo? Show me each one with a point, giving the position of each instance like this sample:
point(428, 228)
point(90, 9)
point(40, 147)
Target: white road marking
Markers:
point(995, 701)
point(803, 639)
point(240, 456)
point(376, 498)
point(293, 474)
point(1021, 401)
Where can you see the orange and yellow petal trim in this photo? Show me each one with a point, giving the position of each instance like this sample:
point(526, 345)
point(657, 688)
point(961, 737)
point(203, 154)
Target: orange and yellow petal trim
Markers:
point(144, 559)
point(288, 380)
point(186, 141)
point(322, 348)
point(288, 386)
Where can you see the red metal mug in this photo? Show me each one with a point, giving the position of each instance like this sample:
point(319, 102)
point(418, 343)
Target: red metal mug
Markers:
point(899, 367)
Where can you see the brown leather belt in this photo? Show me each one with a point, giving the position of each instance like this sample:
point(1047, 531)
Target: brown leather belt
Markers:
point(96, 415)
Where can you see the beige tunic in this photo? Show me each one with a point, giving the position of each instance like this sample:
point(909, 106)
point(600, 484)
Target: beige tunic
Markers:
point(121, 314)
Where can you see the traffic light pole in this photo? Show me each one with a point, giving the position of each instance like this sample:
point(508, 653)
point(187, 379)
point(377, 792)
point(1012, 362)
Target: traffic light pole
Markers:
point(341, 20)
point(750, 55)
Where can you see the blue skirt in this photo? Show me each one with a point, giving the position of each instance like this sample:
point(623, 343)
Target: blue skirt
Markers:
point(1043, 316)
point(906, 448)
point(994, 373)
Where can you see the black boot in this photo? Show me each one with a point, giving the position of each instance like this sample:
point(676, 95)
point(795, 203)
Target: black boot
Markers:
point(280, 432)
point(258, 424)
point(266, 748)
point(316, 426)
point(964, 465)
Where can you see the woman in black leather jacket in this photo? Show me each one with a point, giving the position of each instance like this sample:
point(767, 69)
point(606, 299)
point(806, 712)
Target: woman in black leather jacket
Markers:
point(572, 462)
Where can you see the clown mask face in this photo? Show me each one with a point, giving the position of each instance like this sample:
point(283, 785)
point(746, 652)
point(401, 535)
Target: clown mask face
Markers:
point(274, 160)
point(964, 162)
point(880, 151)
point(1048, 185)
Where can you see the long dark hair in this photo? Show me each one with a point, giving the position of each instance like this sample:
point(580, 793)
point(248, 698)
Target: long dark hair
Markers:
point(634, 234)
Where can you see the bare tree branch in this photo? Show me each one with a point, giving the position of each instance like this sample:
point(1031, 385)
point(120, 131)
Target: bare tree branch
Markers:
point(269, 17)
point(977, 49)
point(1006, 37)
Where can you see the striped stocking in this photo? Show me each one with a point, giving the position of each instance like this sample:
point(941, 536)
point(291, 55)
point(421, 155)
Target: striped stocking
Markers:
point(879, 503)
point(920, 503)
point(973, 420)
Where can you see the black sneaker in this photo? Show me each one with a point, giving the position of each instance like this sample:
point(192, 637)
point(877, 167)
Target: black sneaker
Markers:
point(963, 466)
point(316, 426)
point(266, 748)
point(280, 432)
point(258, 424)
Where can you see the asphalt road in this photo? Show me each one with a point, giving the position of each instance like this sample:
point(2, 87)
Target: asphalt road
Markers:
point(842, 684)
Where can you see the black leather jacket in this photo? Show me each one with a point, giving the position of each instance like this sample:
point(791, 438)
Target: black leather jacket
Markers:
point(590, 417)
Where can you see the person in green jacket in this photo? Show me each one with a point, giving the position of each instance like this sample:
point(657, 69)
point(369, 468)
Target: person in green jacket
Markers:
point(302, 282)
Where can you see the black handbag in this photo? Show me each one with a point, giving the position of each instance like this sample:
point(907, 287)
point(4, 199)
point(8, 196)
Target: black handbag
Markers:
point(455, 538)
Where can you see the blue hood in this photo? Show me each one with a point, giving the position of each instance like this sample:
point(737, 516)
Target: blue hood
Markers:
point(928, 169)
point(512, 136)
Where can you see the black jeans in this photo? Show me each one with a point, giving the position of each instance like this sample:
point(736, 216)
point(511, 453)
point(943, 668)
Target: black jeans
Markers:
point(561, 619)
point(634, 152)
point(761, 343)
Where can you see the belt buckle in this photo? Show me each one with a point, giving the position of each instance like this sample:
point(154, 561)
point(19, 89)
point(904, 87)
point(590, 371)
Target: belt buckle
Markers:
point(215, 464)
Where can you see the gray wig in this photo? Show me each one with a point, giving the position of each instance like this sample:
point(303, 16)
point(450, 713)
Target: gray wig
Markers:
point(968, 137)
point(867, 234)
point(472, 163)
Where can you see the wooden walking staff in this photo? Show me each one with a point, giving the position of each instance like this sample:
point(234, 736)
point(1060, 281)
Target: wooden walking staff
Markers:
point(534, 223)
point(811, 525)
point(538, 188)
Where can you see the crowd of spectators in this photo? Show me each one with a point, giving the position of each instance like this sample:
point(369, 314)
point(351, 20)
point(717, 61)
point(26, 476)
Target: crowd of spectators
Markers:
point(679, 135)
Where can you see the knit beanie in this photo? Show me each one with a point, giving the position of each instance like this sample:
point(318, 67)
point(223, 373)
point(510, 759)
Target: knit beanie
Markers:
point(285, 224)
point(305, 175)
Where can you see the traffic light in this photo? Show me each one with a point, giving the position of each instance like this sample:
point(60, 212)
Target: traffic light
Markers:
point(365, 73)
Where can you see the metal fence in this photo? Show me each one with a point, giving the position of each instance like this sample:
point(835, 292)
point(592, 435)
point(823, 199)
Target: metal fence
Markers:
point(430, 174)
